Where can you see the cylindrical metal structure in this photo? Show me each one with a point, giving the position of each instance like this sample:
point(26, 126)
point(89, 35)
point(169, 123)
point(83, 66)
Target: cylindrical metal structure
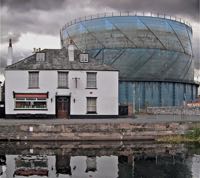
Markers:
point(153, 55)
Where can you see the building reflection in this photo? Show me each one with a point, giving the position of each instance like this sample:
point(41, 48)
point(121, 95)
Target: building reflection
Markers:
point(121, 166)
point(91, 164)
point(31, 165)
point(126, 166)
point(2, 164)
point(63, 165)
point(194, 165)
point(94, 166)
point(162, 166)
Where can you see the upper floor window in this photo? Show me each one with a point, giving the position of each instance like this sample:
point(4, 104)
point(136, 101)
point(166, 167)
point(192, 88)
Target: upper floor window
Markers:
point(91, 80)
point(33, 79)
point(40, 56)
point(84, 57)
point(62, 79)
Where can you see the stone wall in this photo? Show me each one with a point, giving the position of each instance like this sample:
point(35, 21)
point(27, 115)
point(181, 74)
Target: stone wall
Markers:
point(92, 131)
point(174, 110)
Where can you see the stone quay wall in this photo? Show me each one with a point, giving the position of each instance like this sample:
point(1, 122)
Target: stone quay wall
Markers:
point(177, 110)
point(92, 131)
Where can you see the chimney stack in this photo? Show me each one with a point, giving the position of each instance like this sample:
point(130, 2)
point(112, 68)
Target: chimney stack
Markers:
point(10, 42)
point(71, 49)
point(10, 53)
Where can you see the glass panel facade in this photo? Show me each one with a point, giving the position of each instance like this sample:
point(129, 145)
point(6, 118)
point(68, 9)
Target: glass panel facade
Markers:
point(153, 55)
point(142, 48)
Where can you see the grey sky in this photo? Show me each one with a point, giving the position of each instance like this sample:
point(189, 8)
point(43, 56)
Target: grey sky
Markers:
point(46, 17)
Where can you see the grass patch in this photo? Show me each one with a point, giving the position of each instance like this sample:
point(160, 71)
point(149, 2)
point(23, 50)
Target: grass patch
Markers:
point(191, 136)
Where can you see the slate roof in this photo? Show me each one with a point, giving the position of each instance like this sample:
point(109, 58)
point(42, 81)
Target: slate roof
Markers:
point(57, 59)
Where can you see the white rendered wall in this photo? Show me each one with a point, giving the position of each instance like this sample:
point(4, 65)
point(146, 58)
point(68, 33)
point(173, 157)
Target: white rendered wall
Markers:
point(107, 166)
point(11, 166)
point(106, 92)
point(197, 78)
point(0, 92)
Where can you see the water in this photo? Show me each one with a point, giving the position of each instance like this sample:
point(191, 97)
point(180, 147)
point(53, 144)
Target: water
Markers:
point(98, 160)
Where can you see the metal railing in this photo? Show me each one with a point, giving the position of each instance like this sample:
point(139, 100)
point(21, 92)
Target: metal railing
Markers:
point(115, 14)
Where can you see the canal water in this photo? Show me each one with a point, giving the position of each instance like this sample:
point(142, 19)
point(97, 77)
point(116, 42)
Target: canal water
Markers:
point(99, 160)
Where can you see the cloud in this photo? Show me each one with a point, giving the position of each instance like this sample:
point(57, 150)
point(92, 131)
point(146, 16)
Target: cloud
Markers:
point(46, 17)
point(188, 8)
point(37, 16)
point(18, 55)
point(5, 37)
point(27, 5)
point(39, 22)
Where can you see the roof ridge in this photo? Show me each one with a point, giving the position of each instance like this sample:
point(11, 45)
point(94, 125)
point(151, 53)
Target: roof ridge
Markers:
point(57, 59)
point(27, 58)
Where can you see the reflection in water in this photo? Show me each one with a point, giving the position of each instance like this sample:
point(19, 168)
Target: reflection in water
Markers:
point(163, 166)
point(196, 166)
point(2, 164)
point(31, 165)
point(99, 160)
point(63, 165)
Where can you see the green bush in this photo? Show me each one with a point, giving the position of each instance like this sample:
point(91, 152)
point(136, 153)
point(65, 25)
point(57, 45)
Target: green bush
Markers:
point(194, 134)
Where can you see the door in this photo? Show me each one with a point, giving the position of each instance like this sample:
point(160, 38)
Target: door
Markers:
point(63, 106)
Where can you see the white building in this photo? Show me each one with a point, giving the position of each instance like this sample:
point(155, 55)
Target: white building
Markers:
point(60, 83)
point(29, 166)
point(197, 78)
point(0, 92)
point(76, 166)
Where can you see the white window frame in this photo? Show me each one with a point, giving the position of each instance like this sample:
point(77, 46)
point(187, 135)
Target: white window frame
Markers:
point(91, 82)
point(62, 83)
point(30, 103)
point(40, 56)
point(84, 57)
point(91, 108)
point(33, 81)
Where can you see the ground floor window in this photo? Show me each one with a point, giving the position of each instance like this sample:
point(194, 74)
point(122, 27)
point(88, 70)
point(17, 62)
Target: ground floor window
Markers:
point(91, 105)
point(31, 101)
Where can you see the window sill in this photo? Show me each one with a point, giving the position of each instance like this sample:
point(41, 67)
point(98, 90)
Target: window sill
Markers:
point(91, 113)
point(33, 109)
point(33, 88)
point(62, 87)
point(91, 88)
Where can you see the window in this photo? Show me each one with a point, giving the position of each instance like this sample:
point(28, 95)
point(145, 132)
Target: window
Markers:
point(91, 79)
point(33, 79)
point(31, 101)
point(40, 57)
point(34, 104)
point(84, 57)
point(91, 105)
point(62, 79)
